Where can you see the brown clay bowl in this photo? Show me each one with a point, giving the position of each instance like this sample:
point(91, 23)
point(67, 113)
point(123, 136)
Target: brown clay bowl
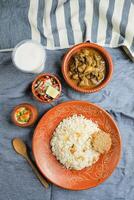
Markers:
point(37, 78)
point(72, 52)
point(33, 118)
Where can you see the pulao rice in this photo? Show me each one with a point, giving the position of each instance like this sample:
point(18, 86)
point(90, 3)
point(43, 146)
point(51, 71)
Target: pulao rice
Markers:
point(71, 142)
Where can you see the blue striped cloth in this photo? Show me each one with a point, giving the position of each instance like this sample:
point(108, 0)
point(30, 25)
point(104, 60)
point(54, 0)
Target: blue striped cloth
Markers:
point(62, 23)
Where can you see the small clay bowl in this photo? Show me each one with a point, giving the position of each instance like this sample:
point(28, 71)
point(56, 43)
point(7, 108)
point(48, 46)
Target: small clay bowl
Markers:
point(33, 117)
point(38, 78)
point(68, 56)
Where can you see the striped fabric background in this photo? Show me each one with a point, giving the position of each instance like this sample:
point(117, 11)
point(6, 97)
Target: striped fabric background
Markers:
point(63, 23)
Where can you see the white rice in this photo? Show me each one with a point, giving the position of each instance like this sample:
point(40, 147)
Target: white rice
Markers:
point(71, 142)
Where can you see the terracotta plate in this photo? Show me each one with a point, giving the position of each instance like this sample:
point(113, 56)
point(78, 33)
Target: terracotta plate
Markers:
point(52, 169)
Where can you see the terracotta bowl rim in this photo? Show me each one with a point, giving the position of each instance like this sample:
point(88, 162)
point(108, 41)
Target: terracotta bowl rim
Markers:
point(34, 113)
point(38, 77)
point(103, 51)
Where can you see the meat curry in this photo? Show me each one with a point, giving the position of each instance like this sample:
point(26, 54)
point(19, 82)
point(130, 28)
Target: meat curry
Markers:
point(87, 68)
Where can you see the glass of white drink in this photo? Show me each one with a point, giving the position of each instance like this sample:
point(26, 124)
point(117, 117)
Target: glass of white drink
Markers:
point(29, 56)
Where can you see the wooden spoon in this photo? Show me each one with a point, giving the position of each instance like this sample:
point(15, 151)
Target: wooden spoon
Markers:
point(20, 148)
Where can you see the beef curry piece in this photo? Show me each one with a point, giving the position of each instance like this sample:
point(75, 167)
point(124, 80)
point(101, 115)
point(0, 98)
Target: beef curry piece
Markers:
point(87, 68)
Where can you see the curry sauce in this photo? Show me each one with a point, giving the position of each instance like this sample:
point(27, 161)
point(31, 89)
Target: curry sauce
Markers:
point(87, 68)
